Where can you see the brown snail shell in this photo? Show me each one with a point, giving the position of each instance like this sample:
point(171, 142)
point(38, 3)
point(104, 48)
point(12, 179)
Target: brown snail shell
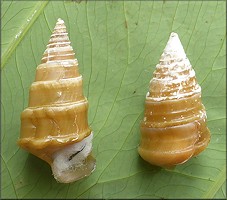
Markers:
point(174, 126)
point(54, 127)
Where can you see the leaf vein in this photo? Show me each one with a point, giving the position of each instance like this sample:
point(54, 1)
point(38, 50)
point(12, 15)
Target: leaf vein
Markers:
point(15, 42)
point(89, 31)
point(10, 176)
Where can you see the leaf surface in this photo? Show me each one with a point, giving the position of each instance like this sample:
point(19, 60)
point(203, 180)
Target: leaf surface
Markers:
point(117, 45)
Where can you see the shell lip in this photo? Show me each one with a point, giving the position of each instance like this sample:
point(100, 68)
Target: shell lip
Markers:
point(74, 162)
point(90, 161)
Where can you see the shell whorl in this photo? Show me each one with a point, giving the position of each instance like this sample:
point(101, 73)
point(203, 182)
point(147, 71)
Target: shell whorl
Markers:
point(174, 77)
point(174, 125)
point(57, 111)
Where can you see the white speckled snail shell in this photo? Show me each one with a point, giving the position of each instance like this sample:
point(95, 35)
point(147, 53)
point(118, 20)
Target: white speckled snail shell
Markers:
point(56, 116)
point(174, 125)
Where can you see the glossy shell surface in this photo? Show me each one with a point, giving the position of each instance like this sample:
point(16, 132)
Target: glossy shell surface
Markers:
point(57, 112)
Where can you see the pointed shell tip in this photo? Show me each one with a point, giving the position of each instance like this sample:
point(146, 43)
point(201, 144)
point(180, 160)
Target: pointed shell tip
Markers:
point(60, 21)
point(173, 34)
point(174, 46)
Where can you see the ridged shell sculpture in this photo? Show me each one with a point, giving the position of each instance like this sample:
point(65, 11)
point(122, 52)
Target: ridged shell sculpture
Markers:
point(54, 127)
point(174, 126)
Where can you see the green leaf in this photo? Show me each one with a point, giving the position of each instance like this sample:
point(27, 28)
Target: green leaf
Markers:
point(117, 45)
point(221, 192)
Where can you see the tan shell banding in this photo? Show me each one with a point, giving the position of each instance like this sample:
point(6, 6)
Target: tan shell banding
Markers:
point(174, 125)
point(57, 112)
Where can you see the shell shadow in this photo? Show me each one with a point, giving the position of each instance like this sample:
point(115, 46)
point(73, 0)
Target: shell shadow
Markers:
point(142, 164)
point(37, 169)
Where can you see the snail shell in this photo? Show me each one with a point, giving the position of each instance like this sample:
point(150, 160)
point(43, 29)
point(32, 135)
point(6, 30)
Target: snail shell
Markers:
point(174, 126)
point(54, 127)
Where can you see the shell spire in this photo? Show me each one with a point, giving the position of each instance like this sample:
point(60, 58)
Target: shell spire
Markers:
point(59, 47)
point(54, 127)
point(174, 77)
point(174, 126)
point(174, 47)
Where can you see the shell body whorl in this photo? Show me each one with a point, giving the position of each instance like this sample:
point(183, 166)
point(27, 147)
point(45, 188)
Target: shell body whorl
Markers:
point(174, 125)
point(56, 116)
